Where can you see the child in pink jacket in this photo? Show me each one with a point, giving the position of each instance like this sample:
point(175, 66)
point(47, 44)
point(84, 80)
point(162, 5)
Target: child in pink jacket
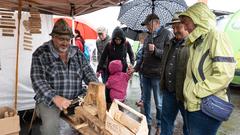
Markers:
point(117, 82)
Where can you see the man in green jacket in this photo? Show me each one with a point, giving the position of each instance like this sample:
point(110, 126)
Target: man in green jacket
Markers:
point(101, 43)
point(173, 72)
point(210, 67)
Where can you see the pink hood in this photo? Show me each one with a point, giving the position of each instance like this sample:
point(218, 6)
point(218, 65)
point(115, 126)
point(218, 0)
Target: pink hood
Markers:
point(115, 66)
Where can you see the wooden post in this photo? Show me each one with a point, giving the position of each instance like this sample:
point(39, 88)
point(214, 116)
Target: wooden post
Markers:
point(17, 58)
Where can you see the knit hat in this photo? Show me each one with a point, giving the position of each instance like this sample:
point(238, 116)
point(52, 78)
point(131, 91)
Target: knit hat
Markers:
point(62, 28)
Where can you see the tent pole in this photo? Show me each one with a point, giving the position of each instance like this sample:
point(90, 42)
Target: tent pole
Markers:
point(17, 58)
point(72, 13)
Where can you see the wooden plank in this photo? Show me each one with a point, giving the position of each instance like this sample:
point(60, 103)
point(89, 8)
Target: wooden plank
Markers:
point(7, 35)
point(87, 131)
point(7, 26)
point(7, 19)
point(5, 10)
point(127, 121)
point(80, 126)
point(27, 49)
point(26, 37)
point(27, 45)
point(36, 32)
point(92, 119)
point(8, 23)
point(25, 33)
point(27, 41)
point(6, 14)
point(7, 30)
point(95, 96)
point(92, 109)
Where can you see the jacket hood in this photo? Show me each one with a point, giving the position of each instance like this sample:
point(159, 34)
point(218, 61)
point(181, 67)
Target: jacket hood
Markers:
point(118, 32)
point(203, 18)
point(115, 66)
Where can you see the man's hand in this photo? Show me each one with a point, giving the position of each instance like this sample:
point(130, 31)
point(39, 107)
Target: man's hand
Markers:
point(151, 47)
point(61, 102)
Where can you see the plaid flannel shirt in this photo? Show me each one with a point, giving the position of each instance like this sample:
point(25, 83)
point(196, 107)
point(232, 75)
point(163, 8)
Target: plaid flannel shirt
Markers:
point(50, 76)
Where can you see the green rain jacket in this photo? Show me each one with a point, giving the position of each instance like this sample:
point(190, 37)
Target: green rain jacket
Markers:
point(211, 59)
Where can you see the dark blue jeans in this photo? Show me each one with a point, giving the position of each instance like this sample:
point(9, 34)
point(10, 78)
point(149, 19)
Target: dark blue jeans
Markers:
point(149, 85)
point(170, 108)
point(104, 76)
point(199, 123)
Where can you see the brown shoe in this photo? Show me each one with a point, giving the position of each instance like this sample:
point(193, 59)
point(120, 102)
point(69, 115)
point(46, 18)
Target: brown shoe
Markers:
point(157, 131)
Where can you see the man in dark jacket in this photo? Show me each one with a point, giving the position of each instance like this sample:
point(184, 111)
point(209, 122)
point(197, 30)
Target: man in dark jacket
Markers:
point(116, 49)
point(150, 66)
point(101, 43)
point(173, 72)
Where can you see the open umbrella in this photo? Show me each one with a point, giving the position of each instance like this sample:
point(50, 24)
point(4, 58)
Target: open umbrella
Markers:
point(134, 12)
point(86, 31)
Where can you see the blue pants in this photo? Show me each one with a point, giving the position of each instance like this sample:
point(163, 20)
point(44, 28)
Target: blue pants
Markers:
point(149, 85)
point(199, 123)
point(170, 108)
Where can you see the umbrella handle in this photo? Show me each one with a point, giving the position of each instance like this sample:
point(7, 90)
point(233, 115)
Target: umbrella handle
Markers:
point(153, 9)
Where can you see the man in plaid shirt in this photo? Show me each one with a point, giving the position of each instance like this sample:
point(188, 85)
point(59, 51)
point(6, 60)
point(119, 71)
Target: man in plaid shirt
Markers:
point(57, 72)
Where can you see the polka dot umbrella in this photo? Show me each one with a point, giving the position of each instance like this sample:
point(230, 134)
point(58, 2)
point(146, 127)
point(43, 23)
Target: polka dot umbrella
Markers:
point(134, 12)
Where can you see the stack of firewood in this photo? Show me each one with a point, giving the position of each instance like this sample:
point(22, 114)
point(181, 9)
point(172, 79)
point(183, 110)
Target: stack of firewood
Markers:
point(35, 21)
point(7, 22)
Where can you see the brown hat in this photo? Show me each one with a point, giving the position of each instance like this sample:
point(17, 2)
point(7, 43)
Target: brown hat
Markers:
point(149, 18)
point(62, 28)
point(175, 18)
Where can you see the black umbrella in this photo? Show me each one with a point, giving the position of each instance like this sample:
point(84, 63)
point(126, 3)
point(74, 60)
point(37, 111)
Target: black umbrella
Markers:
point(134, 12)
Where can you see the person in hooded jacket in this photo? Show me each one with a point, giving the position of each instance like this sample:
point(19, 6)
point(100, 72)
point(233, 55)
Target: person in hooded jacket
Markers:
point(116, 49)
point(117, 81)
point(210, 67)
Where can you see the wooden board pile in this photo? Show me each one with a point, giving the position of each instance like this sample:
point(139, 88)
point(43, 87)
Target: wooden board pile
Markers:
point(7, 22)
point(91, 117)
point(35, 21)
